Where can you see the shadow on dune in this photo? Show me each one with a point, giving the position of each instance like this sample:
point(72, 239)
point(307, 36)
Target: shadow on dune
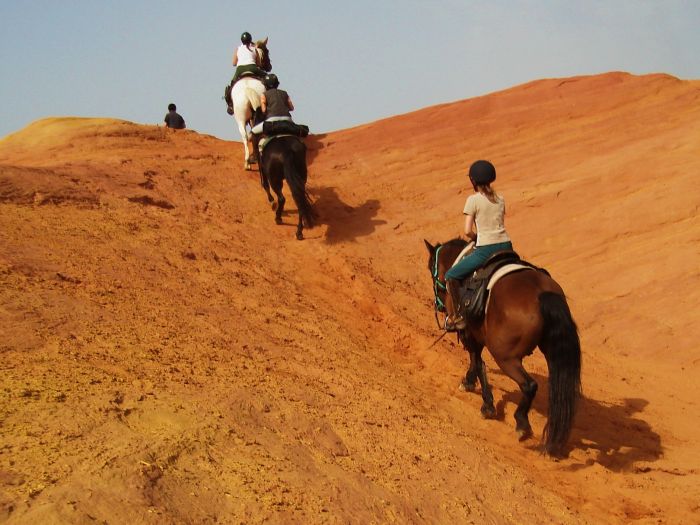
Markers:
point(344, 222)
point(619, 438)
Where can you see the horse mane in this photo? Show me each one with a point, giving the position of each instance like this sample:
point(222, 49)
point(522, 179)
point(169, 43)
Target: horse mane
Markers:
point(263, 54)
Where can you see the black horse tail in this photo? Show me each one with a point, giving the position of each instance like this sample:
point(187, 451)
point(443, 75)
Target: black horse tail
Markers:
point(562, 348)
point(295, 175)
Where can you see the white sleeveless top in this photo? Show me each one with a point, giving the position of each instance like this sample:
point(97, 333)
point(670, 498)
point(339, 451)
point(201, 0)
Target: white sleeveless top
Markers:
point(245, 56)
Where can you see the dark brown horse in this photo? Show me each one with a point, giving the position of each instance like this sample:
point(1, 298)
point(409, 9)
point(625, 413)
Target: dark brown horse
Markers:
point(284, 158)
point(526, 309)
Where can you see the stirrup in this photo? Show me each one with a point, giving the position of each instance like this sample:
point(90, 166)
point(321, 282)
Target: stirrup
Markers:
point(455, 326)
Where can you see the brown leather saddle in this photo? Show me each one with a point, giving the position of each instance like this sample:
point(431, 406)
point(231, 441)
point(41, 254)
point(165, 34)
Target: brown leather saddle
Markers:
point(474, 293)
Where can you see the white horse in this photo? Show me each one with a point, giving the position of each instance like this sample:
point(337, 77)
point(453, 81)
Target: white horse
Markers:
point(246, 98)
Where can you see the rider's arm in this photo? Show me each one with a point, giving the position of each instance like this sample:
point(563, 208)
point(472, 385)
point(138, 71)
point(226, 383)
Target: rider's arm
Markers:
point(263, 103)
point(235, 58)
point(289, 104)
point(469, 227)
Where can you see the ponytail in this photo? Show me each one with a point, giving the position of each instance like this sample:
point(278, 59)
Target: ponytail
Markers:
point(488, 192)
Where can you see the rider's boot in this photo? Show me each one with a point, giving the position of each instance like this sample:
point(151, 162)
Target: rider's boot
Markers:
point(455, 318)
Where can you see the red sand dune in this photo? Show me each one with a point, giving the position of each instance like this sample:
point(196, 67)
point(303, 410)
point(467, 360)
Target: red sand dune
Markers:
point(170, 355)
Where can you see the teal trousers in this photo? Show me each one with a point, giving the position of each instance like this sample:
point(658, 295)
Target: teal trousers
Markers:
point(471, 262)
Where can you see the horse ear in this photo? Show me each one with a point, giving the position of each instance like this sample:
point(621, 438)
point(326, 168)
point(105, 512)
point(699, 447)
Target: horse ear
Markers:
point(430, 247)
point(264, 42)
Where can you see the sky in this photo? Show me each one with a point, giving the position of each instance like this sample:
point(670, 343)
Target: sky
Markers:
point(343, 63)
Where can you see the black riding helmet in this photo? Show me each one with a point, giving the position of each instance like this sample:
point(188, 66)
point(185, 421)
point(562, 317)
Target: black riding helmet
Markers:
point(246, 38)
point(271, 81)
point(482, 172)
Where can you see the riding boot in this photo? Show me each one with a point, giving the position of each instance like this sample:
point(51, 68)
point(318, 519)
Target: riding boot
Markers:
point(455, 319)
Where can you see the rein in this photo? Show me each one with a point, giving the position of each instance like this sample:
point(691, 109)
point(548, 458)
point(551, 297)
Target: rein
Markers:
point(438, 285)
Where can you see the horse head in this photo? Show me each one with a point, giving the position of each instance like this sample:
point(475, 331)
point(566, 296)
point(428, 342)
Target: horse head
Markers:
point(263, 54)
point(440, 259)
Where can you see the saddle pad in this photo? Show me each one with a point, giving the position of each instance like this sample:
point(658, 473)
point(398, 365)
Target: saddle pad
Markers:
point(501, 272)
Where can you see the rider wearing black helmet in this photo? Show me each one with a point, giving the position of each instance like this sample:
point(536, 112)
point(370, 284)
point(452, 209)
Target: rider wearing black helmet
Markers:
point(246, 59)
point(486, 210)
point(275, 103)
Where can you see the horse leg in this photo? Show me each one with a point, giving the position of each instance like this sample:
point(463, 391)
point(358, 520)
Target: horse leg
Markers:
point(513, 367)
point(468, 384)
point(244, 139)
point(488, 411)
point(300, 228)
point(477, 371)
point(280, 204)
point(266, 186)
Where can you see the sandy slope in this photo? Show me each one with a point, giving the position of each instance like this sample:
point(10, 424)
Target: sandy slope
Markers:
point(169, 355)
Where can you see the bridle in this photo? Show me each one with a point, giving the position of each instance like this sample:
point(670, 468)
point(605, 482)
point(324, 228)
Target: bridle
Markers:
point(438, 285)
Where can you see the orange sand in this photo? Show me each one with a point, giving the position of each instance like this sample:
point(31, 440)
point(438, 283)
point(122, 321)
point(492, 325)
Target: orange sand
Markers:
point(170, 355)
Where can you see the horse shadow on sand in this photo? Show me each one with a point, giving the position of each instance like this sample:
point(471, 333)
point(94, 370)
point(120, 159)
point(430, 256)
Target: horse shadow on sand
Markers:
point(616, 432)
point(345, 222)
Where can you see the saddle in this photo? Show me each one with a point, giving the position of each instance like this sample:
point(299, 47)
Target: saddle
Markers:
point(475, 292)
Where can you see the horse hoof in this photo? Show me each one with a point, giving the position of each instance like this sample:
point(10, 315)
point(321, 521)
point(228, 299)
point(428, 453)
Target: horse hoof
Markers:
point(273, 205)
point(524, 434)
point(488, 412)
point(278, 220)
point(467, 387)
point(300, 236)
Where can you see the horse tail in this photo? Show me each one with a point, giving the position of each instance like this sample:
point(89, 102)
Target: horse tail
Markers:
point(295, 175)
point(253, 98)
point(562, 348)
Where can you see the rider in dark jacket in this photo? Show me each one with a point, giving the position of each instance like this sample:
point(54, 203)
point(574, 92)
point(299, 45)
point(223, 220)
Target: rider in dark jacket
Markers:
point(275, 103)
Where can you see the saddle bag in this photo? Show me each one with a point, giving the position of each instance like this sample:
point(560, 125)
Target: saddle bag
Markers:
point(284, 127)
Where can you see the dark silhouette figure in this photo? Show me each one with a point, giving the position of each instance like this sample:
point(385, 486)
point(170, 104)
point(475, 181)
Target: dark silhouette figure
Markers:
point(173, 118)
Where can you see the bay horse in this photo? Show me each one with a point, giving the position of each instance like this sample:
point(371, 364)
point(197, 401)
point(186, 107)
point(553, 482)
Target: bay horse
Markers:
point(525, 309)
point(245, 95)
point(284, 158)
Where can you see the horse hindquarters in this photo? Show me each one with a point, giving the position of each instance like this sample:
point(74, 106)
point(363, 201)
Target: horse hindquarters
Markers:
point(562, 349)
point(295, 174)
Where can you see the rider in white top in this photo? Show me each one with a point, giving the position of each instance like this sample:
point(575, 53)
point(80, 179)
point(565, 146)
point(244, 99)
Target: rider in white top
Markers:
point(245, 55)
point(246, 59)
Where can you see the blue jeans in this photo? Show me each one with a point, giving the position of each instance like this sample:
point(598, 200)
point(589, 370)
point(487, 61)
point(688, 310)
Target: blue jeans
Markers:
point(474, 260)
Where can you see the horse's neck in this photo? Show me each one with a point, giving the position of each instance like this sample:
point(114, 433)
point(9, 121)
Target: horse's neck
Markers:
point(464, 252)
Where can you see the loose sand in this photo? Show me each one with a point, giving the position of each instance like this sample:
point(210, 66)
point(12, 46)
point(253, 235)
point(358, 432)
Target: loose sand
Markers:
point(170, 355)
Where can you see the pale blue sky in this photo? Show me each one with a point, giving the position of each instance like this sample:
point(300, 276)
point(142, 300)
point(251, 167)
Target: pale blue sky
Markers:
point(344, 63)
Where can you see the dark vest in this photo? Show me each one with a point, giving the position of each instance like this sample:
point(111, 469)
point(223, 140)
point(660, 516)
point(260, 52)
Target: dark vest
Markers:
point(174, 120)
point(276, 100)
